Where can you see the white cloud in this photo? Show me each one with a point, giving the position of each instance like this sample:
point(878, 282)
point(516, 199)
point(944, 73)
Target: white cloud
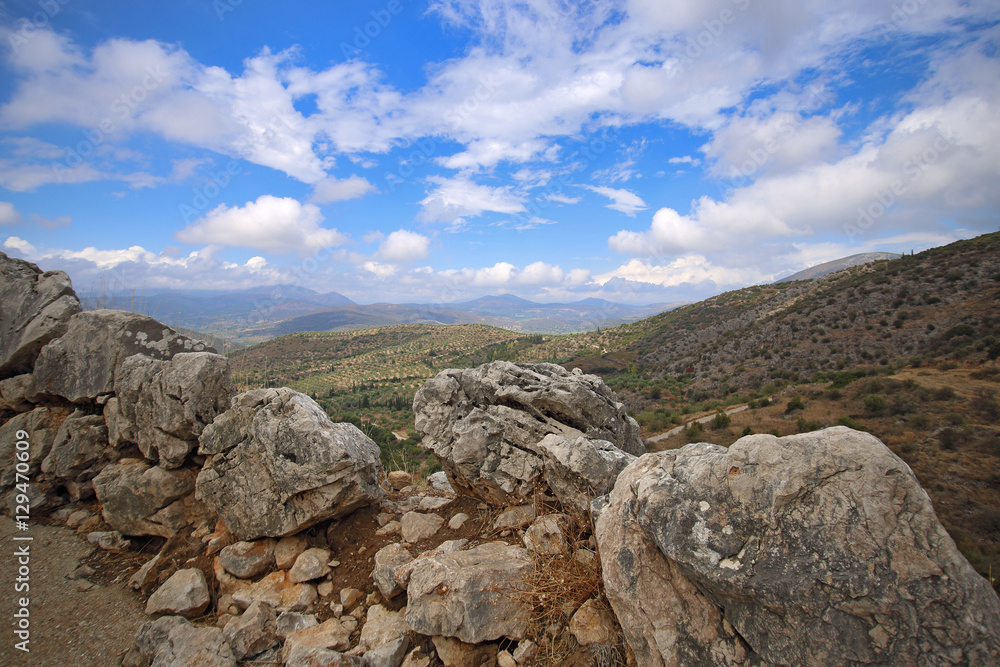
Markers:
point(21, 247)
point(330, 189)
point(690, 269)
point(270, 223)
point(563, 199)
point(456, 199)
point(404, 246)
point(8, 214)
point(685, 159)
point(379, 269)
point(623, 201)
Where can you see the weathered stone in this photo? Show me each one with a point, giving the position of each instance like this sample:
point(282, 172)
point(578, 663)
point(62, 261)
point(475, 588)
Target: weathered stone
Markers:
point(485, 424)
point(547, 535)
point(311, 564)
point(14, 393)
point(164, 405)
point(248, 559)
point(314, 656)
point(578, 470)
point(350, 597)
point(108, 540)
point(279, 465)
point(815, 548)
point(325, 589)
point(172, 641)
point(403, 572)
point(456, 522)
point(82, 364)
point(287, 550)
point(41, 425)
point(290, 621)
point(525, 651)
point(439, 482)
point(255, 631)
point(431, 503)
point(515, 518)
point(183, 594)
point(383, 626)
point(466, 594)
point(387, 560)
point(390, 654)
point(36, 308)
point(505, 659)
point(277, 590)
point(329, 634)
point(592, 624)
point(454, 653)
point(139, 499)
point(80, 449)
point(417, 526)
point(416, 658)
point(399, 479)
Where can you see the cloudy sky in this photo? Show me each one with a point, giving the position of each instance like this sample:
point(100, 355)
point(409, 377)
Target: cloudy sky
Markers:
point(415, 150)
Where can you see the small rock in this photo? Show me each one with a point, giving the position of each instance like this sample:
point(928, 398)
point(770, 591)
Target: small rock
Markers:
point(314, 656)
point(587, 557)
point(391, 528)
point(387, 561)
point(390, 654)
point(329, 634)
point(278, 590)
point(547, 535)
point(505, 659)
point(287, 550)
point(350, 597)
point(223, 620)
point(89, 525)
point(592, 624)
point(416, 658)
point(454, 653)
point(439, 481)
point(183, 594)
point(383, 626)
point(82, 585)
point(253, 632)
point(77, 518)
point(417, 526)
point(515, 517)
point(108, 540)
point(248, 559)
point(337, 609)
point(311, 564)
point(384, 518)
point(81, 572)
point(399, 479)
point(290, 621)
point(350, 623)
point(458, 521)
point(525, 651)
point(431, 503)
point(325, 589)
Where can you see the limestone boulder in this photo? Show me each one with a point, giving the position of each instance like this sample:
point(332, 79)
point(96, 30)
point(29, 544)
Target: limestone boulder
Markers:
point(14, 392)
point(82, 364)
point(80, 450)
point(279, 465)
point(172, 641)
point(40, 426)
point(140, 499)
point(470, 595)
point(388, 559)
point(581, 469)
point(185, 593)
point(817, 548)
point(164, 405)
point(383, 626)
point(248, 559)
point(484, 424)
point(35, 308)
point(253, 632)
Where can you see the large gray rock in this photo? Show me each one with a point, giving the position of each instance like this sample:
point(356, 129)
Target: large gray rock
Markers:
point(35, 308)
point(185, 593)
point(140, 499)
point(82, 364)
point(388, 559)
point(41, 426)
point(80, 449)
point(279, 465)
point(818, 548)
point(171, 641)
point(485, 424)
point(579, 470)
point(470, 595)
point(253, 632)
point(164, 405)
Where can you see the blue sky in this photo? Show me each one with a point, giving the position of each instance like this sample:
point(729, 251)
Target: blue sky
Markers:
point(406, 150)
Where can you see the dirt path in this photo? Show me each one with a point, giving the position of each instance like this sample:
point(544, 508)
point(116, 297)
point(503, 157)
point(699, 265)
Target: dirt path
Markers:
point(68, 626)
point(704, 420)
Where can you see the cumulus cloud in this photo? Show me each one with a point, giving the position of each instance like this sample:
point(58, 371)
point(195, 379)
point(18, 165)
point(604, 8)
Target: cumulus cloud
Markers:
point(8, 214)
point(404, 246)
point(689, 269)
point(456, 199)
point(273, 224)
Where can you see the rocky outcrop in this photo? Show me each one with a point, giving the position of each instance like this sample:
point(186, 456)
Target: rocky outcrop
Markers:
point(469, 594)
point(82, 364)
point(818, 548)
point(485, 424)
point(164, 405)
point(35, 308)
point(279, 465)
point(579, 470)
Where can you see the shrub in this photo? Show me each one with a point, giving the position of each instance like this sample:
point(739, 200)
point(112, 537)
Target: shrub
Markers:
point(693, 430)
point(849, 423)
point(949, 438)
point(944, 394)
point(874, 404)
point(720, 421)
point(747, 431)
point(794, 404)
point(985, 405)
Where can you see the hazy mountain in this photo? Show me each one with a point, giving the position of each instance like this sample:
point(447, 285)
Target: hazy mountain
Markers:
point(839, 265)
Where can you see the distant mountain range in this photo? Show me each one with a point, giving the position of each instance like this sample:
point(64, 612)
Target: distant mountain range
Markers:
point(839, 265)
